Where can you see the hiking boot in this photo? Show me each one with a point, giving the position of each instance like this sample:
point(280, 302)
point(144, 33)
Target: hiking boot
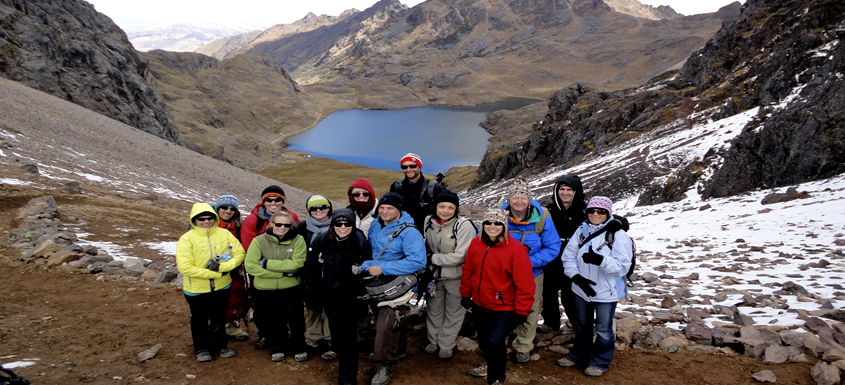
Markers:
point(480, 371)
point(277, 357)
point(523, 357)
point(430, 348)
point(301, 357)
point(236, 332)
point(565, 362)
point(203, 356)
point(312, 343)
point(329, 355)
point(594, 372)
point(383, 374)
point(445, 354)
point(262, 343)
point(227, 353)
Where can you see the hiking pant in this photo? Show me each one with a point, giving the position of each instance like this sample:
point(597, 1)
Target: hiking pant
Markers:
point(525, 333)
point(317, 325)
point(445, 314)
point(555, 281)
point(391, 334)
point(493, 329)
point(238, 300)
point(340, 310)
point(596, 354)
point(281, 311)
point(208, 319)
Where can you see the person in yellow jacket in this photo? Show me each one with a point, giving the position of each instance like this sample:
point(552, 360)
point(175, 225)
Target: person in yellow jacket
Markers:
point(206, 280)
point(275, 259)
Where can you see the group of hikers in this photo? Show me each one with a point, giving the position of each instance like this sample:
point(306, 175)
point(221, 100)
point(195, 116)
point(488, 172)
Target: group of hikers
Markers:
point(358, 269)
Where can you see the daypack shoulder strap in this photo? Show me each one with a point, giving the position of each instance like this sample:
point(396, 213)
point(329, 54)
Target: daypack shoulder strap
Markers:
point(429, 188)
point(392, 237)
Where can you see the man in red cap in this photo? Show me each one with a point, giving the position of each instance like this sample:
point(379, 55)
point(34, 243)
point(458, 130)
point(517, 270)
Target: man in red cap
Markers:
point(417, 192)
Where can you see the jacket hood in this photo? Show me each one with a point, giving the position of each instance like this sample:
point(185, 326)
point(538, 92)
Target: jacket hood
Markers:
point(365, 184)
point(202, 208)
point(573, 182)
point(346, 214)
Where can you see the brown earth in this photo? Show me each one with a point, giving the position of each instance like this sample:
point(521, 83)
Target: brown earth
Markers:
point(86, 328)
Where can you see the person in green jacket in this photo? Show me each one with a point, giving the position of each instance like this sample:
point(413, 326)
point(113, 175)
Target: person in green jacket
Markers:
point(206, 280)
point(275, 258)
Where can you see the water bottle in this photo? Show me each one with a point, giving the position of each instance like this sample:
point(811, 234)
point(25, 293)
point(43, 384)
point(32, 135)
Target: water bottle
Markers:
point(227, 255)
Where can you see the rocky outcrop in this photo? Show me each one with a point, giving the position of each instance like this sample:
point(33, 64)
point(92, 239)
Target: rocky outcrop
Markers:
point(67, 49)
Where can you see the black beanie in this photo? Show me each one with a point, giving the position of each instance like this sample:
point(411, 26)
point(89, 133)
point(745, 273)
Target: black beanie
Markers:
point(392, 199)
point(447, 196)
point(273, 191)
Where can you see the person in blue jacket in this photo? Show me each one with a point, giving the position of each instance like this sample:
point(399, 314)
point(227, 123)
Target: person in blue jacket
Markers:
point(398, 249)
point(531, 225)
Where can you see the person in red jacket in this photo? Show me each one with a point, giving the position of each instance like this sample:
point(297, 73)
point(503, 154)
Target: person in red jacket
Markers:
point(498, 283)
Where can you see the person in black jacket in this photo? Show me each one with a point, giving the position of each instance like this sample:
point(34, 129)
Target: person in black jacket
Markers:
point(416, 191)
point(567, 211)
point(331, 284)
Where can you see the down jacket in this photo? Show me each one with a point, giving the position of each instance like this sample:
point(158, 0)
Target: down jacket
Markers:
point(543, 247)
point(499, 277)
point(197, 246)
point(609, 276)
point(404, 255)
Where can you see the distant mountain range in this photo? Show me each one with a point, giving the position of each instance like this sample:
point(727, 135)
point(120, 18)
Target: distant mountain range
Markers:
point(185, 37)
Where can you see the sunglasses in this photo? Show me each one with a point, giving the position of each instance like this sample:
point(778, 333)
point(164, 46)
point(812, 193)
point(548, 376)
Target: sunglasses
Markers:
point(407, 166)
point(203, 219)
point(276, 199)
point(597, 211)
point(357, 194)
point(342, 224)
point(227, 208)
point(288, 225)
point(315, 208)
point(488, 223)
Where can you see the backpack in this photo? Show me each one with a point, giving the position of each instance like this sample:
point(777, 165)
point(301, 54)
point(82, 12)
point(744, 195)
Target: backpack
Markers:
point(427, 190)
point(388, 287)
point(609, 238)
point(538, 227)
point(12, 379)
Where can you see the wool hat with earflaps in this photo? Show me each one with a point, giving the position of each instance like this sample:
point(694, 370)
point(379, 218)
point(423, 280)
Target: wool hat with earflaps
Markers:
point(227, 200)
point(601, 203)
point(520, 186)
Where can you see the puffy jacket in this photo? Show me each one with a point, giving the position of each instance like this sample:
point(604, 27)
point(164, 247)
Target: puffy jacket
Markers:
point(542, 248)
point(250, 228)
point(197, 246)
point(448, 251)
point(609, 276)
point(285, 257)
point(409, 244)
point(499, 277)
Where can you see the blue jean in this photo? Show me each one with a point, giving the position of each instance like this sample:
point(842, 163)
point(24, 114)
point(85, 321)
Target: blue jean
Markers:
point(493, 329)
point(596, 354)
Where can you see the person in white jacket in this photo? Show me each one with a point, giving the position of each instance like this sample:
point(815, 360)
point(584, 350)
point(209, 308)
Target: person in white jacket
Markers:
point(597, 269)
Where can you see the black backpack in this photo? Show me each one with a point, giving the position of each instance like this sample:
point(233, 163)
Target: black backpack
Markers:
point(12, 379)
point(427, 190)
point(618, 223)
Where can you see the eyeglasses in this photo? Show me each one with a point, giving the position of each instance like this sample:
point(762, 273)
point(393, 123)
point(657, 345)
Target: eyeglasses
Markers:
point(227, 208)
point(315, 208)
point(407, 166)
point(488, 223)
point(288, 225)
point(342, 224)
point(203, 219)
point(276, 199)
point(597, 211)
point(365, 194)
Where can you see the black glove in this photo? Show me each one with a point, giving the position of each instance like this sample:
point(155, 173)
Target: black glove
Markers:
point(592, 257)
point(262, 262)
point(520, 319)
point(213, 264)
point(466, 302)
point(585, 285)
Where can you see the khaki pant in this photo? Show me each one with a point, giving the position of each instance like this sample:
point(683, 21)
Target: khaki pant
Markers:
point(525, 333)
point(391, 334)
point(317, 326)
point(445, 314)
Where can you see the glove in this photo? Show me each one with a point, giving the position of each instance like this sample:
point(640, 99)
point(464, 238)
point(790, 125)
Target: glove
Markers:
point(592, 257)
point(262, 262)
point(356, 269)
point(466, 302)
point(520, 319)
point(585, 284)
point(213, 264)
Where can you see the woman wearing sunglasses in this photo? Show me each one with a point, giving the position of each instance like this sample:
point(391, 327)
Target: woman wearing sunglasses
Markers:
point(598, 273)
point(275, 259)
point(362, 200)
point(498, 283)
point(332, 285)
point(205, 279)
point(316, 223)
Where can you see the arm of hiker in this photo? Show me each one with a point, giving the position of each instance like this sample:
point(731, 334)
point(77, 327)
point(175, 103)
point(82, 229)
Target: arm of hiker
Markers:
point(619, 260)
point(569, 257)
point(185, 262)
point(550, 245)
point(523, 277)
point(296, 261)
point(413, 248)
point(253, 255)
point(238, 255)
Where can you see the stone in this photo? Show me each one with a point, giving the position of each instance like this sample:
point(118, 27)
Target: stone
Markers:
point(625, 329)
point(699, 333)
point(824, 374)
point(649, 336)
point(42, 250)
point(667, 303)
point(167, 275)
point(559, 350)
point(754, 347)
point(149, 275)
point(673, 344)
point(833, 355)
point(742, 319)
point(149, 353)
point(792, 288)
point(775, 354)
point(650, 277)
point(723, 336)
point(815, 324)
point(764, 376)
point(97, 267)
point(67, 254)
point(72, 187)
point(466, 345)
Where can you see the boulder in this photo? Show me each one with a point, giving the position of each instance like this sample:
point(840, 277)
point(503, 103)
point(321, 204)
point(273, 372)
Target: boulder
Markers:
point(673, 344)
point(167, 275)
point(723, 336)
point(42, 250)
point(764, 376)
point(67, 254)
point(825, 374)
point(625, 329)
point(699, 333)
point(464, 344)
point(775, 354)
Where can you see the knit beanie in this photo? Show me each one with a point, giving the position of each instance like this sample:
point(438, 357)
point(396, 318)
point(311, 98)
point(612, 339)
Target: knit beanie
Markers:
point(226, 200)
point(392, 199)
point(447, 196)
point(497, 215)
point(273, 191)
point(411, 157)
point(601, 203)
point(520, 187)
point(317, 200)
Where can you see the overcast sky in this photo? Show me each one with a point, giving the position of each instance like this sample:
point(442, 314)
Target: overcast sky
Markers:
point(255, 13)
